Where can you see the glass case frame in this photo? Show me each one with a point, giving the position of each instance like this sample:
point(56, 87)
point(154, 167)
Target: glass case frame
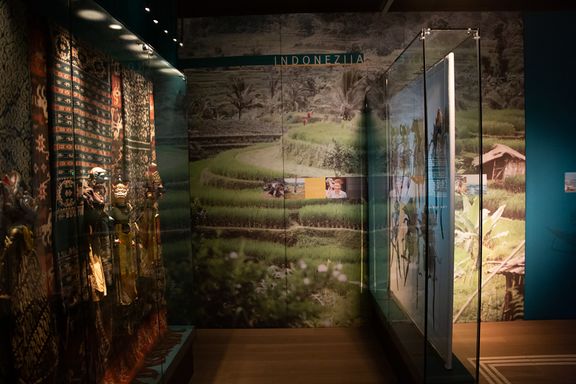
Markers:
point(417, 207)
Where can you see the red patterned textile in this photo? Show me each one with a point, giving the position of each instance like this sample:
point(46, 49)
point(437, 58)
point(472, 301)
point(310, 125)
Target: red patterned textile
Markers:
point(41, 155)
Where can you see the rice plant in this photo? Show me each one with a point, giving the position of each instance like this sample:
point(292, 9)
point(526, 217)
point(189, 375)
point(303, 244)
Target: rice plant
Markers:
point(336, 215)
point(227, 164)
point(324, 132)
point(245, 217)
point(209, 196)
point(279, 254)
point(515, 202)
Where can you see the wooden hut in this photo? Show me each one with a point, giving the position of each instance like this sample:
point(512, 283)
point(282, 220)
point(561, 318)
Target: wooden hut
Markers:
point(501, 162)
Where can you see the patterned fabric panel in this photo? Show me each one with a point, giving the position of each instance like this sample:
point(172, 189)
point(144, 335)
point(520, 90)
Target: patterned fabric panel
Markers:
point(41, 156)
point(15, 91)
point(26, 315)
point(136, 101)
point(152, 125)
point(34, 348)
point(65, 247)
point(117, 124)
point(82, 129)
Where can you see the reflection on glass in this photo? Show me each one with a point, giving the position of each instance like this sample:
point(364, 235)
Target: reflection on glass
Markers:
point(84, 295)
point(412, 166)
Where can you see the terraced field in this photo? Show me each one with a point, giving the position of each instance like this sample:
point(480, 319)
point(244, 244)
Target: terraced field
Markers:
point(273, 261)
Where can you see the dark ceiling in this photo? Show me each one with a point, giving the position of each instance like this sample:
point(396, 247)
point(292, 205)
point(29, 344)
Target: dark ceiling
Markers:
point(195, 8)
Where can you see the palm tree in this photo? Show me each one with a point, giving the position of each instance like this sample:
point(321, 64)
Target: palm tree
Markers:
point(274, 99)
point(350, 94)
point(377, 94)
point(241, 95)
point(294, 96)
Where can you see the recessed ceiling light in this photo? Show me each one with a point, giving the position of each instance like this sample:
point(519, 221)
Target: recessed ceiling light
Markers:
point(147, 9)
point(135, 47)
point(181, 44)
point(91, 14)
point(155, 63)
point(174, 40)
point(128, 37)
point(170, 71)
point(155, 21)
point(116, 27)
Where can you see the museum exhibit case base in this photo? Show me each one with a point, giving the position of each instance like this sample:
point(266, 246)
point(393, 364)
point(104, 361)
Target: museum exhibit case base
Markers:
point(422, 222)
point(170, 360)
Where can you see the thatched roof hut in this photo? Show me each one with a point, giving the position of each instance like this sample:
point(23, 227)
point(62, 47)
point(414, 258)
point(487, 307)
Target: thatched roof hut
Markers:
point(501, 162)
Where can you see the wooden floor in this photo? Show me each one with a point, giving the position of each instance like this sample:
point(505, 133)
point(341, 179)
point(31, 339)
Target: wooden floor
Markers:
point(518, 352)
point(291, 356)
point(521, 352)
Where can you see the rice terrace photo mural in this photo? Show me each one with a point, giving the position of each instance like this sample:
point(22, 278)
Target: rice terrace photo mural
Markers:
point(276, 109)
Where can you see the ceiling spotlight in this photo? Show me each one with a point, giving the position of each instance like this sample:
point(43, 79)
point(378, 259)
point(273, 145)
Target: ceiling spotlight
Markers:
point(147, 9)
point(90, 14)
point(174, 40)
point(171, 71)
point(155, 21)
point(166, 31)
point(135, 47)
point(116, 27)
point(128, 37)
point(181, 44)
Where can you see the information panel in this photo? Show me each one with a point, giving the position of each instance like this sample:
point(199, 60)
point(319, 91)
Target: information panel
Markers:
point(422, 202)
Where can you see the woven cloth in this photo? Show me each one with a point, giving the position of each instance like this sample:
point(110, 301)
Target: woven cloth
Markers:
point(82, 137)
point(15, 91)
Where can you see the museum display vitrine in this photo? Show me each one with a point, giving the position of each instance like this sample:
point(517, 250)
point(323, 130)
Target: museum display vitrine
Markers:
point(424, 201)
point(94, 197)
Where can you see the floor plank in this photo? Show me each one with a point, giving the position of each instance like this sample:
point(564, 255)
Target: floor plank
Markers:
point(290, 356)
point(521, 352)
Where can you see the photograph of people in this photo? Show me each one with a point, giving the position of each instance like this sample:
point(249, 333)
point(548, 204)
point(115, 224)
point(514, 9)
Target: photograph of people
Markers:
point(334, 188)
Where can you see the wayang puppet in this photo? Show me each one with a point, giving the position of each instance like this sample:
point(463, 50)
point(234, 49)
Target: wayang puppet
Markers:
point(151, 277)
point(124, 244)
point(96, 261)
point(96, 233)
point(148, 224)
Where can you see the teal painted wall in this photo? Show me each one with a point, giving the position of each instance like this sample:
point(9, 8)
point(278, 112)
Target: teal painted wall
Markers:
point(550, 151)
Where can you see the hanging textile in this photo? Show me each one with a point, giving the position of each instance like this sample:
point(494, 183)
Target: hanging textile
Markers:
point(15, 90)
point(137, 147)
point(82, 140)
point(25, 308)
point(137, 151)
point(29, 349)
point(152, 124)
point(117, 171)
point(41, 157)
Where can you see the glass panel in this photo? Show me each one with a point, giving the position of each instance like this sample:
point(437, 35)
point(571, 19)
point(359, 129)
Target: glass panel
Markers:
point(415, 214)
point(397, 202)
point(107, 139)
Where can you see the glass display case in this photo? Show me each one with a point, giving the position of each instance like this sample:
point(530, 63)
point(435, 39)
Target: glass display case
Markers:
point(424, 205)
point(95, 198)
